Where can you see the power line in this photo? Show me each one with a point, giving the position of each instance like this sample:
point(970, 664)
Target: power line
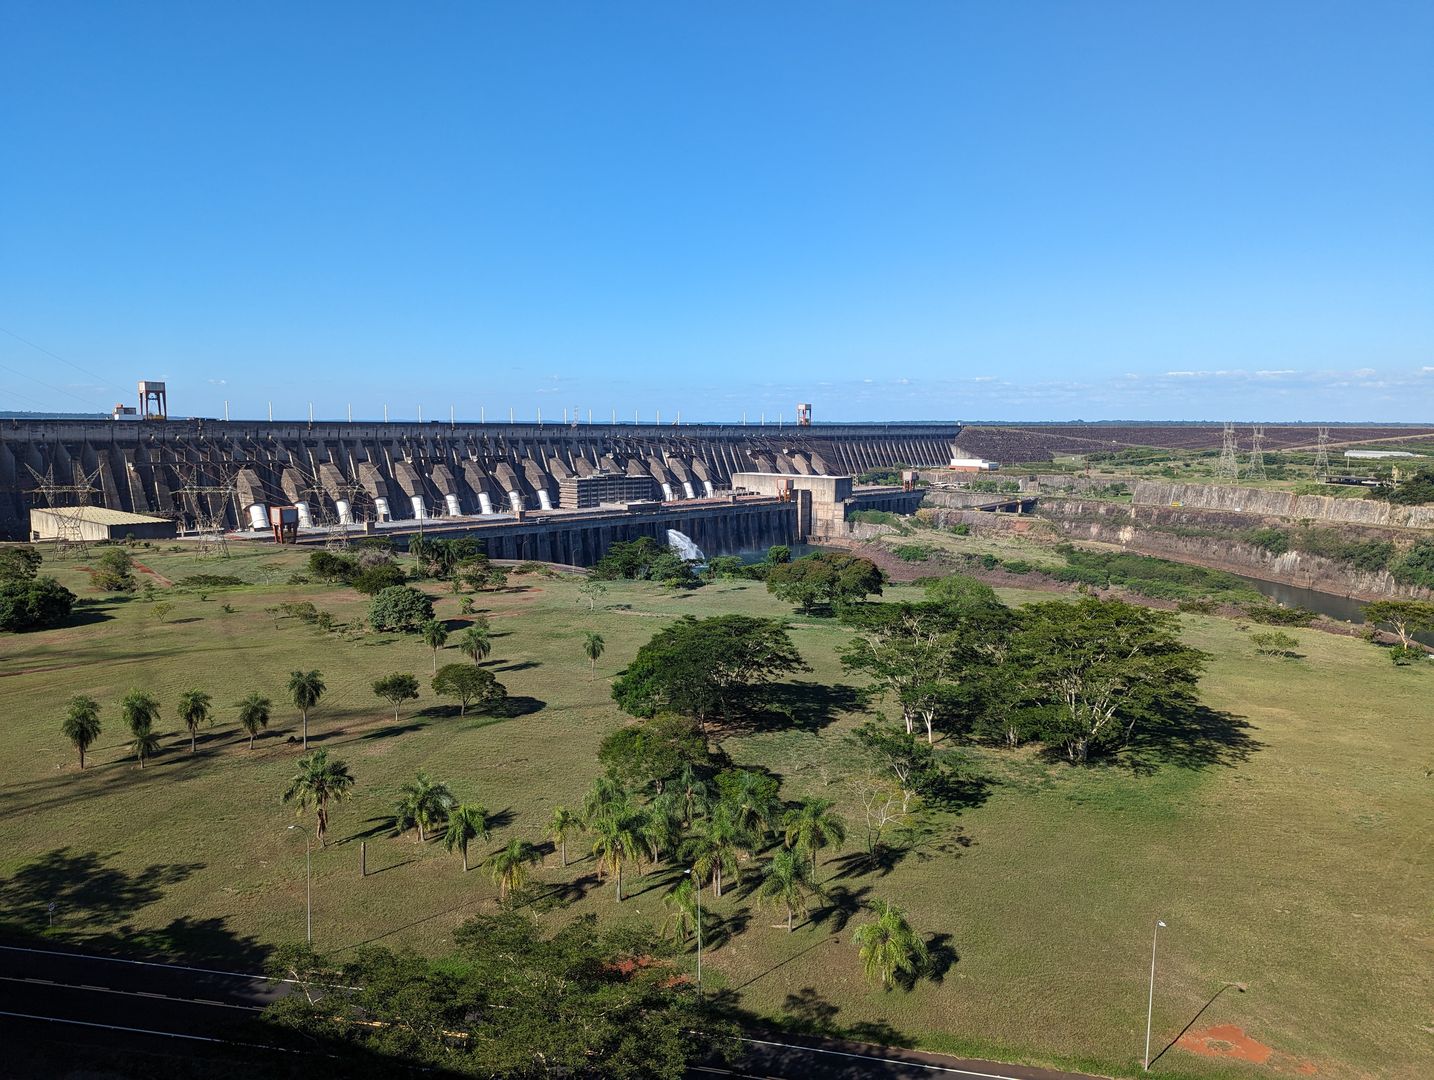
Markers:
point(47, 386)
point(57, 356)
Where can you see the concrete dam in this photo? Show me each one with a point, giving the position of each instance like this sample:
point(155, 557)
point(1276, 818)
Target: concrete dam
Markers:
point(516, 483)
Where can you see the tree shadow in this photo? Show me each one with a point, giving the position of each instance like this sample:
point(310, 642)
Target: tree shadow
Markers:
point(392, 729)
point(516, 705)
point(879, 862)
point(1196, 737)
point(804, 706)
point(383, 824)
point(83, 889)
point(842, 905)
point(942, 957)
point(518, 665)
point(809, 1013)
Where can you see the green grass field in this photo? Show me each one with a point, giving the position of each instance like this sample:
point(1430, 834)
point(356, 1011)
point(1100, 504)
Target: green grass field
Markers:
point(1289, 848)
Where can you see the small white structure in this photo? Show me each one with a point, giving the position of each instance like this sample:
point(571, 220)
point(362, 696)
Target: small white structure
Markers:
point(973, 464)
point(1374, 455)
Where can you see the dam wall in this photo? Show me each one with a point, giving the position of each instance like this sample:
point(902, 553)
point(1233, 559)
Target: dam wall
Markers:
point(230, 471)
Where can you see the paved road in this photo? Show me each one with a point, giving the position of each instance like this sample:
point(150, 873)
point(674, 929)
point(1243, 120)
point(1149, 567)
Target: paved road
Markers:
point(64, 997)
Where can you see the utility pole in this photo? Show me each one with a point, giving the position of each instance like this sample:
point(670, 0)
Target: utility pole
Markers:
point(1150, 1002)
point(1229, 468)
point(1322, 456)
point(1257, 452)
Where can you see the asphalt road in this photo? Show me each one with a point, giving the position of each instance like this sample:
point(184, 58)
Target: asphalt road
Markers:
point(56, 998)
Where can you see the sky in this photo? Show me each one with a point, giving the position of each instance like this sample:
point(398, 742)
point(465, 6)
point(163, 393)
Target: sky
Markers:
point(945, 211)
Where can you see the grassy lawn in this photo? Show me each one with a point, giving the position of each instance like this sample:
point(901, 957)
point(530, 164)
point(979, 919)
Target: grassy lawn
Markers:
point(1287, 846)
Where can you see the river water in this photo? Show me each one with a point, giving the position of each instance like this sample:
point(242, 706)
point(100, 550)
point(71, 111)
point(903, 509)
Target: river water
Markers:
point(1340, 608)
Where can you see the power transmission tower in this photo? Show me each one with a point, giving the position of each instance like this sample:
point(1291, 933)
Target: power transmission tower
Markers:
point(209, 504)
point(68, 502)
point(1257, 453)
point(1322, 456)
point(1229, 467)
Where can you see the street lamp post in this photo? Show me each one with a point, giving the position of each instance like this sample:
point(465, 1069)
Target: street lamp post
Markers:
point(697, 892)
point(1150, 1001)
point(308, 885)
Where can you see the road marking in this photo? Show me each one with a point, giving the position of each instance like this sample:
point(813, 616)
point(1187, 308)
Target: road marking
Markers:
point(882, 1060)
point(147, 1031)
point(138, 963)
point(134, 993)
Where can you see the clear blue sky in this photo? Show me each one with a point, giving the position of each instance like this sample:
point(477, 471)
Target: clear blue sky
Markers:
point(893, 210)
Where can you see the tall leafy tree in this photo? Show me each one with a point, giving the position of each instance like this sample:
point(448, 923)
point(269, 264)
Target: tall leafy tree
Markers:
point(811, 825)
point(470, 685)
point(306, 690)
point(476, 642)
point(396, 689)
point(466, 822)
point(593, 646)
point(319, 780)
point(1097, 667)
point(786, 881)
point(422, 802)
point(194, 710)
point(700, 668)
point(889, 947)
point(254, 713)
point(825, 581)
point(1405, 617)
point(435, 636)
point(81, 724)
point(509, 866)
point(561, 825)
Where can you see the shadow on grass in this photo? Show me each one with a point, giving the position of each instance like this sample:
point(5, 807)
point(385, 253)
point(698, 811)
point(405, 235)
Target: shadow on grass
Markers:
point(518, 665)
point(808, 1012)
point(802, 706)
point(390, 730)
point(94, 903)
point(1193, 738)
point(842, 904)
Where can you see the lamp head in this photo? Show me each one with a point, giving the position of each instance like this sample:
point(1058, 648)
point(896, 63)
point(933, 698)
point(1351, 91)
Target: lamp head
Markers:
point(1158, 922)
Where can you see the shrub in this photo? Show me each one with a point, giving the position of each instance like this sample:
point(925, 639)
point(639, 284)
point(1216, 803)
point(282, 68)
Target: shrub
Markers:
point(35, 604)
point(1275, 541)
point(114, 571)
point(19, 564)
point(1017, 566)
point(1270, 615)
point(208, 581)
point(912, 552)
point(378, 577)
point(399, 607)
point(1403, 656)
point(1273, 643)
point(961, 529)
point(330, 566)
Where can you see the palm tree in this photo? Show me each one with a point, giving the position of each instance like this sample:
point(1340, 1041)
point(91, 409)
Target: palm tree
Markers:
point(788, 881)
point(194, 710)
point(754, 802)
point(435, 636)
point(254, 714)
point(476, 643)
point(140, 710)
point(318, 780)
point(145, 743)
point(619, 841)
point(81, 724)
point(563, 822)
point(889, 947)
point(662, 823)
point(712, 849)
point(593, 646)
point(681, 905)
point(424, 802)
point(305, 690)
point(606, 798)
point(812, 824)
point(695, 792)
point(466, 822)
point(509, 867)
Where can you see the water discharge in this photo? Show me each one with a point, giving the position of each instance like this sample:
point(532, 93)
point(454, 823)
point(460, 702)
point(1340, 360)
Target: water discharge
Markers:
point(683, 545)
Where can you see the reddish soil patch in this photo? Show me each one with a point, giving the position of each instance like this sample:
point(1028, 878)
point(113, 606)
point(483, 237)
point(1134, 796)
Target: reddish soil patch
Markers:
point(157, 576)
point(1229, 1042)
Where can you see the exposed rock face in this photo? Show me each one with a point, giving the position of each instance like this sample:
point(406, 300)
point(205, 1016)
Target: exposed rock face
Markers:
point(1284, 504)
